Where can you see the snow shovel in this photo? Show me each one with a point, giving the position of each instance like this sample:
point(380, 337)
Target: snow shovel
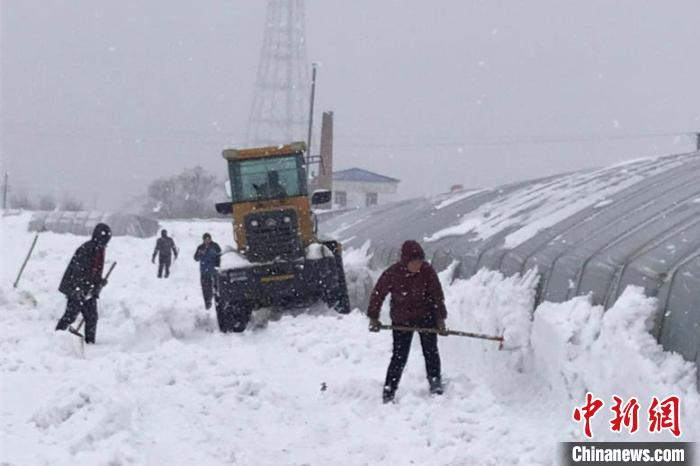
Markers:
point(76, 331)
point(446, 333)
point(24, 264)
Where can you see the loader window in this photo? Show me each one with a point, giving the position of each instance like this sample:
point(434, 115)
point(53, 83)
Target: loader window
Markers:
point(267, 178)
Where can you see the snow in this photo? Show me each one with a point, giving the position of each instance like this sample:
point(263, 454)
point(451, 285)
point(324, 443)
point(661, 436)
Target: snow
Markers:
point(577, 347)
point(456, 197)
point(316, 251)
point(163, 386)
point(538, 206)
point(230, 259)
point(345, 226)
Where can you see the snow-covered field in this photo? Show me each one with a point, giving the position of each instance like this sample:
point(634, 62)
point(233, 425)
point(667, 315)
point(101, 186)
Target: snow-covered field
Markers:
point(162, 386)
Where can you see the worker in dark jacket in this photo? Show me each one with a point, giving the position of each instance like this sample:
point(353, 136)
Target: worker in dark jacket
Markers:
point(83, 281)
point(416, 301)
point(208, 255)
point(165, 249)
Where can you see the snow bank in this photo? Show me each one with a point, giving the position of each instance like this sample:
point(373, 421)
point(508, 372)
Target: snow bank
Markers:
point(493, 304)
point(359, 277)
point(577, 348)
point(556, 354)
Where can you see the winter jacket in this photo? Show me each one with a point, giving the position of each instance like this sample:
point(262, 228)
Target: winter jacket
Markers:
point(165, 246)
point(416, 298)
point(84, 272)
point(208, 257)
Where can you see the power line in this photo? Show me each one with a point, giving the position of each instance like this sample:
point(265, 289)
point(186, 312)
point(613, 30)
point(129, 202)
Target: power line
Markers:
point(357, 140)
point(513, 140)
point(121, 139)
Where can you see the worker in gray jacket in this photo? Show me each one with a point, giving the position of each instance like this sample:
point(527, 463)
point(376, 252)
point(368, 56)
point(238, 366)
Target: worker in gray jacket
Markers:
point(165, 249)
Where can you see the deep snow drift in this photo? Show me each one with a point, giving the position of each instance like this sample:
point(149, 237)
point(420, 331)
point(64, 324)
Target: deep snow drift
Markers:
point(162, 386)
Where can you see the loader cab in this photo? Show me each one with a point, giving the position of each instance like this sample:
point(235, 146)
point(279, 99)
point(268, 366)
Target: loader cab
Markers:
point(269, 202)
point(267, 178)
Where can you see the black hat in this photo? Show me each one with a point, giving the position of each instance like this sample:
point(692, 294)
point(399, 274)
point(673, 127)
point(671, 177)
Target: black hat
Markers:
point(102, 234)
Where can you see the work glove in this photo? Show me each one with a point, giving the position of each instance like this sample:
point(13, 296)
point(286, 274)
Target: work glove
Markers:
point(441, 328)
point(103, 282)
point(153, 260)
point(92, 293)
point(374, 325)
point(78, 294)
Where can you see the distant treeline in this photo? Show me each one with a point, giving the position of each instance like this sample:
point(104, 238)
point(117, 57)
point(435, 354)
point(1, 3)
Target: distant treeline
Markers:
point(22, 200)
point(191, 194)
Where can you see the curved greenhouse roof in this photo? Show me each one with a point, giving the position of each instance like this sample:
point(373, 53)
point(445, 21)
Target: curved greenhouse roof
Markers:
point(83, 222)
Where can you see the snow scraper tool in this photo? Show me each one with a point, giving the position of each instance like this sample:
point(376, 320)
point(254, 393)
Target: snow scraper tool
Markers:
point(446, 333)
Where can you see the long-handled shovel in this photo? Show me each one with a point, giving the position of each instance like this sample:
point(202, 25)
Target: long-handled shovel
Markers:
point(445, 333)
point(26, 259)
point(76, 331)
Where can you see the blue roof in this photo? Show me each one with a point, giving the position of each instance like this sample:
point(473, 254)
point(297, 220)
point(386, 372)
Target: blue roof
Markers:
point(358, 174)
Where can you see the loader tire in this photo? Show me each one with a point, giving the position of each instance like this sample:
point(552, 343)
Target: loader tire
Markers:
point(233, 316)
point(340, 301)
point(338, 297)
point(241, 317)
point(343, 300)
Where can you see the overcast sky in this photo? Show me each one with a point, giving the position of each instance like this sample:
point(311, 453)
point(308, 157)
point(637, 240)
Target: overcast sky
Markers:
point(100, 97)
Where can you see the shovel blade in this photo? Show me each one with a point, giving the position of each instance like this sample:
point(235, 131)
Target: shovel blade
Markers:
point(75, 332)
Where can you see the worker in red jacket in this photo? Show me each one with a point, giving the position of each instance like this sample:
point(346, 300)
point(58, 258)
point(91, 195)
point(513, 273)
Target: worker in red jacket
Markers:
point(417, 300)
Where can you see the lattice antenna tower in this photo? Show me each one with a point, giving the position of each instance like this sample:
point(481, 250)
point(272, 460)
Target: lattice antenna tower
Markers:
point(279, 113)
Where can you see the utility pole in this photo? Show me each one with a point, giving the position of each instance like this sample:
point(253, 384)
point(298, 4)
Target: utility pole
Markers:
point(326, 150)
point(311, 109)
point(325, 172)
point(4, 193)
point(697, 141)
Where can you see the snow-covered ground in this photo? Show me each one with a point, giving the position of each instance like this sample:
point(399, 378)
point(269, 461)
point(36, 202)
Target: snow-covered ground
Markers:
point(162, 386)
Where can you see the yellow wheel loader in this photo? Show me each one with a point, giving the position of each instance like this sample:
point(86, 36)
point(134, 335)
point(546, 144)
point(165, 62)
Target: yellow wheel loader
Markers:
point(278, 260)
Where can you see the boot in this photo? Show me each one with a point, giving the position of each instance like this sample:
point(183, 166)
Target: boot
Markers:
point(62, 325)
point(435, 386)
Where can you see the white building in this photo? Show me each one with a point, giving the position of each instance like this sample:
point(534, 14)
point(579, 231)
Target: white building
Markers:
point(355, 187)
